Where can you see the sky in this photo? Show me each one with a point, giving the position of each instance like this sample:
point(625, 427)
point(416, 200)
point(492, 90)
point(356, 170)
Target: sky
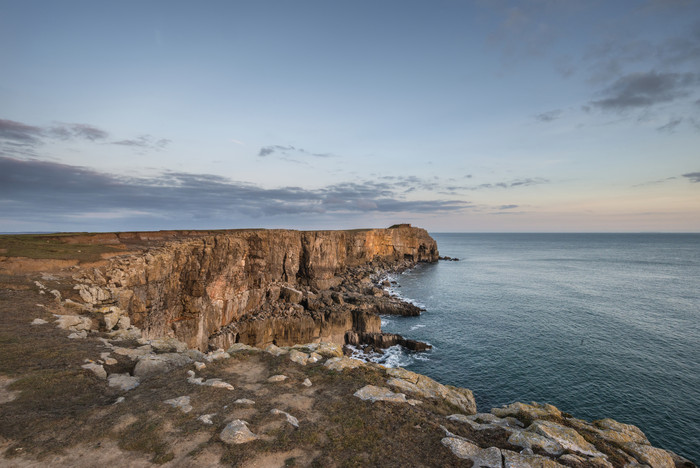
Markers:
point(452, 115)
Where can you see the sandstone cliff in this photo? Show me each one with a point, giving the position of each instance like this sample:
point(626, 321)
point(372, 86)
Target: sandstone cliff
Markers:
point(256, 287)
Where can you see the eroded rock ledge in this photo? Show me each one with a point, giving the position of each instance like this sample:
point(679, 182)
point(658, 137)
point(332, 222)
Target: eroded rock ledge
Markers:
point(258, 287)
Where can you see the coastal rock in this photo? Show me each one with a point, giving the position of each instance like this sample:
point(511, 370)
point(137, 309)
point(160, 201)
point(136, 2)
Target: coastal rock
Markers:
point(532, 440)
point(290, 419)
point(153, 364)
point(275, 350)
point(486, 458)
point(373, 394)
point(123, 381)
point(244, 401)
point(238, 347)
point(298, 357)
point(168, 345)
point(421, 385)
point(38, 321)
point(277, 378)
point(568, 438)
point(183, 403)
point(237, 432)
point(518, 460)
point(330, 350)
point(527, 413)
point(206, 418)
point(341, 363)
point(654, 457)
point(73, 322)
point(96, 369)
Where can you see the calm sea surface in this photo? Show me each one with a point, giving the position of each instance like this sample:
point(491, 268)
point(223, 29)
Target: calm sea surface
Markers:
point(599, 325)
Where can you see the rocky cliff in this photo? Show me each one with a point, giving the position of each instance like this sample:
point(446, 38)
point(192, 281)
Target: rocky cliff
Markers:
point(255, 287)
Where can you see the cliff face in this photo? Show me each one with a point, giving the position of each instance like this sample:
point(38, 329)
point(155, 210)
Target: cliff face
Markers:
point(256, 286)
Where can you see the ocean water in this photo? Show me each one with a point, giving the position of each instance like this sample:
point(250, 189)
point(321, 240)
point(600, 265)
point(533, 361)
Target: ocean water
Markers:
point(599, 325)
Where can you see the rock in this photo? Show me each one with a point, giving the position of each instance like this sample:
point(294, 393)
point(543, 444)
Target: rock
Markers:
point(92, 294)
point(277, 378)
point(124, 323)
point(96, 369)
point(568, 438)
point(619, 433)
point(237, 432)
point(133, 353)
point(110, 361)
point(78, 335)
point(528, 413)
point(237, 347)
point(218, 383)
point(517, 460)
point(217, 355)
point(314, 357)
point(182, 402)
point(654, 457)
point(153, 364)
point(290, 419)
point(275, 351)
point(532, 440)
point(291, 295)
point(489, 458)
point(110, 319)
point(411, 382)
point(306, 383)
point(168, 345)
point(123, 381)
point(38, 321)
point(73, 322)
point(206, 418)
point(374, 394)
point(330, 350)
point(341, 363)
point(199, 365)
point(132, 333)
point(195, 355)
point(298, 357)
point(244, 401)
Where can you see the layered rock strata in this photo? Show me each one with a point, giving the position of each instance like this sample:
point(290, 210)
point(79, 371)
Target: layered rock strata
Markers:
point(257, 287)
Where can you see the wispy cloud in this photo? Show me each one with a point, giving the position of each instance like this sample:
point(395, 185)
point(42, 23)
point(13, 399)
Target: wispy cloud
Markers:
point(693, 176)
point(289, 151)
point(637, 90)
point(549, 116)
point(19, 138)
point(145, 142)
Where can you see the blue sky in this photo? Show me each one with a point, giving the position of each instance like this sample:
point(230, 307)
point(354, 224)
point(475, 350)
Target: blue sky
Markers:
point(452, 115)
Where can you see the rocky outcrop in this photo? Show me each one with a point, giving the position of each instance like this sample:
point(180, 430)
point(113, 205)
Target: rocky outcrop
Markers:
point(258, 287)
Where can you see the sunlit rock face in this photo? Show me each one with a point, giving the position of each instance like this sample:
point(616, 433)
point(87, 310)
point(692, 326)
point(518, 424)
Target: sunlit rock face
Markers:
point(258, 287)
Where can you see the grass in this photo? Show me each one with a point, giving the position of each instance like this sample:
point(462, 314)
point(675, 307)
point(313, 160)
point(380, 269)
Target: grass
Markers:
point(53, 247)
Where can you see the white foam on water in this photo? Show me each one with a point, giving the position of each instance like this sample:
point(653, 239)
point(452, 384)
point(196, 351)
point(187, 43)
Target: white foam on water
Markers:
point(395, 356)
point(416, 327)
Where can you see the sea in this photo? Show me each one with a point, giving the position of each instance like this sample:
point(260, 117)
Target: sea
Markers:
point(599, 325)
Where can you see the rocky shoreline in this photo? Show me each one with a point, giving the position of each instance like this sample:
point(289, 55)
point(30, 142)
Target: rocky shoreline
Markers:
point(81, 363)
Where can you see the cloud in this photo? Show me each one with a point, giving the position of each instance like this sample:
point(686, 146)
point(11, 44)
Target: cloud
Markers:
point(693, 176)
point(637, 90)
point(508, 207)
point(512, 184)
point(288, 150)
point(19, 132)
point(549, 116)
point(34, 189)
point(144, 141)
point(670, 127)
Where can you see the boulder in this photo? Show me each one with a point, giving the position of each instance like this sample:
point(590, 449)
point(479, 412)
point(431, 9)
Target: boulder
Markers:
point(486, 458)
point(123, 381)
point(298, 357)
point(418, 384)
point(237, 432)
point(518, 460)
point(290, 419)
point(277, 378)
point(96, 369)
point(373, 394)
point(168, 345)
point(568, 438)
point(330, 350)
point(153, 364)
point(291, 295)
point(275, 350)
point(183, 403)
point(237, 347)
point(341, 363)
point(528, 413)
point(532, 440)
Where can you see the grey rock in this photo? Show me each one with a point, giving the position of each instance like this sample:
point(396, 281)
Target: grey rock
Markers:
point(96, 369)
point(123, 381)
point(183, 403)
point(152, 364)
point(488, 458)
point(237, 432)
point(290, 419)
